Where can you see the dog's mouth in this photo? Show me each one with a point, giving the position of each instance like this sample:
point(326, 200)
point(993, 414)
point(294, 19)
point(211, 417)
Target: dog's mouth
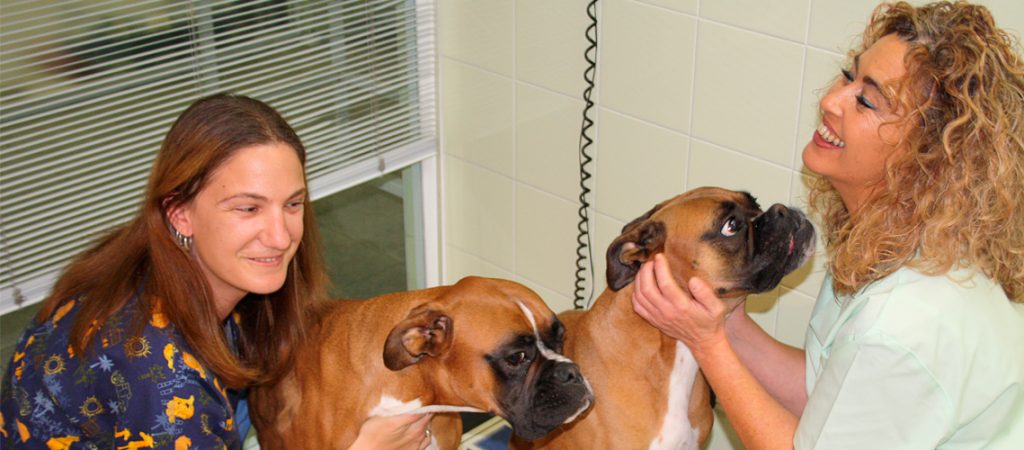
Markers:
point(550, 410)
point(782, 246)
point(798, 248)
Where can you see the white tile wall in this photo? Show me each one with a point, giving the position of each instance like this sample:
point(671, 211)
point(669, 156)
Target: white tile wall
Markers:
point(547, 136)
point(762, 308)
point(631, 152)
point(794, 313)
point(746, 94)
point(683, 6)
point(837, 25)
point(550, 43)
point(1009, 15)
point(479, 32)
point(711, 165)
point(690, 93)
point(646, 62)
point(484, 204)
point(555, 300)
point(550, 223)
point(783, 18)
point(462, 264)
point(478, 124)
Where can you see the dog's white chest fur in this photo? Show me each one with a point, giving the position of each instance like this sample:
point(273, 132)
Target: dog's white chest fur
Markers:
point(676, 431)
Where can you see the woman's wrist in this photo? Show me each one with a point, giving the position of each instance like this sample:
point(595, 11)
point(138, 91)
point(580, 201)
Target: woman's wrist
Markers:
point(710, 346)
point(737, 323)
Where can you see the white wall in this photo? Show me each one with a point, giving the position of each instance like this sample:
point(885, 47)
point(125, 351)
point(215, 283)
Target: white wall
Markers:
point(690, 93)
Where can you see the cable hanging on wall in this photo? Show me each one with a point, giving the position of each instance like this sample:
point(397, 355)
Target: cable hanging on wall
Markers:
point(584, 253)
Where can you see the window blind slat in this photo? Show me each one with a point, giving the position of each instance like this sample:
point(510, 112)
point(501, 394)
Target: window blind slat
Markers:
point(96, 205)
point(114, 48)
point(169, 60)
point(39, 183)
point(47, 163)
point(57, 25)
point(93, 110)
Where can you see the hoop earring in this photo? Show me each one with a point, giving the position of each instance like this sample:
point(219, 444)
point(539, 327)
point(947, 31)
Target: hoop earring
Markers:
point(185, 242)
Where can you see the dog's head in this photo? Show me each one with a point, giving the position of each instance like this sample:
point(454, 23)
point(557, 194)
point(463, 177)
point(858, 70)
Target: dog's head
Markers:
point(494, 345)
point(718, 235)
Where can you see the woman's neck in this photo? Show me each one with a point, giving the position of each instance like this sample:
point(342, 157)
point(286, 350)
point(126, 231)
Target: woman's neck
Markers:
point(225, 303)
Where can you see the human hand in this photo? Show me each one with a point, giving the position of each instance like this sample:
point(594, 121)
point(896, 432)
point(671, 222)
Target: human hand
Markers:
point(401, 432)
point(696, 318)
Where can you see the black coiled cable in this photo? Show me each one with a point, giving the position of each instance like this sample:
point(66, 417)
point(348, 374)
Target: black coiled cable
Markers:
point(584, 254)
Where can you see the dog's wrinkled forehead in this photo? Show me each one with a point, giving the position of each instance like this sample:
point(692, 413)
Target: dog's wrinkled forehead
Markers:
point(698, 200)
point(513, 300)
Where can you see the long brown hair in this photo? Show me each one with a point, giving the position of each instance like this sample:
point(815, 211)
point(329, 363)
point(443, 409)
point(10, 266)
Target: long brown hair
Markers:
point(953, 197)
point(143, 256)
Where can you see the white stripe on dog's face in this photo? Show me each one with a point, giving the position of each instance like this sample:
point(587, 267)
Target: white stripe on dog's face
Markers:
point(544, 350)
point(551, 355)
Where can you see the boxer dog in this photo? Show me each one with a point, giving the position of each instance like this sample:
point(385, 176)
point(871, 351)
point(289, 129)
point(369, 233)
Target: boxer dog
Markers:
point(482, 344)
point(648, 391)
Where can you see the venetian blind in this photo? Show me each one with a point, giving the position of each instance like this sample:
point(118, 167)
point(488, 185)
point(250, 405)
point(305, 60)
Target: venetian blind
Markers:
point(88, 89)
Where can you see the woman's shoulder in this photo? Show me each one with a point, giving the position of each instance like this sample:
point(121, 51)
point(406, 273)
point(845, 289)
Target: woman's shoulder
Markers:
point(131, 342)
point(138, 373)
point(911, 308)
point(146, 346)
point(963, 291)
point(961, 309)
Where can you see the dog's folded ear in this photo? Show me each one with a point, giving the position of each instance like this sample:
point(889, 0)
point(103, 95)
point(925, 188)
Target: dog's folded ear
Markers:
point(424, 332)
point(637, 243)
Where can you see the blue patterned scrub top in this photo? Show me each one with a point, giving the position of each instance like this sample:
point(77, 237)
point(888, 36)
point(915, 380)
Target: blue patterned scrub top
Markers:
point(128, 392)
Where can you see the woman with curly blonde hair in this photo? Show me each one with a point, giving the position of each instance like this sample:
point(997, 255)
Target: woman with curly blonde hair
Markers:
point(915, 339)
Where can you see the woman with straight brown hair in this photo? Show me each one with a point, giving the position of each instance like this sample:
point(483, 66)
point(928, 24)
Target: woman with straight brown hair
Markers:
point(150, 337)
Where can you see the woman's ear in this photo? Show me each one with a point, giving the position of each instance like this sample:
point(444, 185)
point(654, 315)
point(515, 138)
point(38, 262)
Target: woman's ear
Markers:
point(179, 216)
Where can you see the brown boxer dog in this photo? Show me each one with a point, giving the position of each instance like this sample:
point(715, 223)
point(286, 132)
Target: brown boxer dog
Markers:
point(481, 344)
point(649, 393)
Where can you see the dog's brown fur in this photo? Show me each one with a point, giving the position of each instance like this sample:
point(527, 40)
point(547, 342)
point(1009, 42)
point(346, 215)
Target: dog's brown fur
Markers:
point(341, 375)
point(628, 361)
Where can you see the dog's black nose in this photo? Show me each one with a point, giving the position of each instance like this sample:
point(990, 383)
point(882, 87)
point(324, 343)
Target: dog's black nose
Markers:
point(566, 373)
point(778, 211)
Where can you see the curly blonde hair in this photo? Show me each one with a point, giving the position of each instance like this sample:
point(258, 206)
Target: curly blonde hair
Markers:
point(953, 197)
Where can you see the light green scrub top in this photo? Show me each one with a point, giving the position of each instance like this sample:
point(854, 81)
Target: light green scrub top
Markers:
point(915, 362)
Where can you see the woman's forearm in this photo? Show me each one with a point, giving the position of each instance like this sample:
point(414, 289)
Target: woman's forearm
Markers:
point(780, 368)
point(760, 421)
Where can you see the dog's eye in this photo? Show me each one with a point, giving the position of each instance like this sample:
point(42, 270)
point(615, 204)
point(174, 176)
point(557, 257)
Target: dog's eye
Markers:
point(516, 358)
point(730, 227)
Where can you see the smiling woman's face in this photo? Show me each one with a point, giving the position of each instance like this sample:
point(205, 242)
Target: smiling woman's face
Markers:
point(246, 223)
point(851, 146)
